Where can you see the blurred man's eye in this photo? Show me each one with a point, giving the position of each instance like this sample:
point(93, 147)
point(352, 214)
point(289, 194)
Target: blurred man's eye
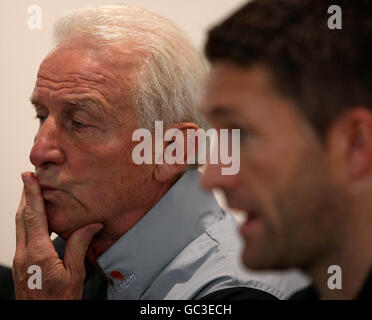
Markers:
point(243, 133)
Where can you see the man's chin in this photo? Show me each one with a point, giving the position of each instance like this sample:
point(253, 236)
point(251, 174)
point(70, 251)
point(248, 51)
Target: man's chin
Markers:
point(251, 259)
point(256, 253)
point(260, 256)
point(56, 223)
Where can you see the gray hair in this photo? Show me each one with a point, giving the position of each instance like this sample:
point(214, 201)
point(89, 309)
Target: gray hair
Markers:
point(168, 84)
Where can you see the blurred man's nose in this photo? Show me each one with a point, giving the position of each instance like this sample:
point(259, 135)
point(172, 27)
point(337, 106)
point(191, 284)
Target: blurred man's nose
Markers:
point(47, 149)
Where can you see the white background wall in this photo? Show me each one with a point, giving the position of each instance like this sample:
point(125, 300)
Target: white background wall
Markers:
point(22, 51)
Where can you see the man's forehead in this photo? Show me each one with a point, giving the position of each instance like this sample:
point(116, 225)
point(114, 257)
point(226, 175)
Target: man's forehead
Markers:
point(72, 57)
point(223, 89)
point(85, 101)
point(69, 60)
point(227, 76)
point(234, 91)
point(81, 68)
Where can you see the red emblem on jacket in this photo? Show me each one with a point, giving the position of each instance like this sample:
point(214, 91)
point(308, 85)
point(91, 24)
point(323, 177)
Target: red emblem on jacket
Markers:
point(117, 275)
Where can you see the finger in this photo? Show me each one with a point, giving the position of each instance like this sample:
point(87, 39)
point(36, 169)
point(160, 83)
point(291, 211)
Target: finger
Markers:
point(20, 227)
point(77, 246)
point(34, 216)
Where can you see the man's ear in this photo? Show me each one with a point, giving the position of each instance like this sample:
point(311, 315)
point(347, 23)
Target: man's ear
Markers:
point(180, 146)
point(355, 138)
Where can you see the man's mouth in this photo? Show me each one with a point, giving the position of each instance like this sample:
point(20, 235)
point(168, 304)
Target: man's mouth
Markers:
point(45, 189)
point(252, 215)
point(252, 221)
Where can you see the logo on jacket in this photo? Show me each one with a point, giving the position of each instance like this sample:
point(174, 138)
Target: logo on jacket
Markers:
point(120, 283)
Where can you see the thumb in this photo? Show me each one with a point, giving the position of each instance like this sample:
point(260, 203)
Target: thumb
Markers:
point(77, 246)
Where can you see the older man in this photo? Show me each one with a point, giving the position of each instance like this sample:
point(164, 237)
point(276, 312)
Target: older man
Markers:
point(148, 229)
point(299, 88)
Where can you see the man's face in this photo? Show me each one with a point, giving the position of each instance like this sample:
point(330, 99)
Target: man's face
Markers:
point(83, 147)
point(283, 183)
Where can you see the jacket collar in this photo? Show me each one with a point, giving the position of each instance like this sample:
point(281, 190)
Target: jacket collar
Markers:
point(179, 217)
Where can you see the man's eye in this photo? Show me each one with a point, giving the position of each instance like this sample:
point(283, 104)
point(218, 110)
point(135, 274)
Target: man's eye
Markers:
point(78, 124)
point(244, 134)
point(41, 118)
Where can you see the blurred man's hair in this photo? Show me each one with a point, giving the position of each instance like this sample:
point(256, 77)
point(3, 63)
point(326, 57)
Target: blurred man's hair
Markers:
point(324, 71)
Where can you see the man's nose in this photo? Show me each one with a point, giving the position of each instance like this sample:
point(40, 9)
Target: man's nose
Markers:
point(47, 149)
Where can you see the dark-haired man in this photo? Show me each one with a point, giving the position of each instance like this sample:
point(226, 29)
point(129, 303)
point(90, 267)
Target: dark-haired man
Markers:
point(301, 94)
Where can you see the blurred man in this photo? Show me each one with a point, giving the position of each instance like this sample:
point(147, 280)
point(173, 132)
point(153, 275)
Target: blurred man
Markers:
point(300, 91)
point(148, 228)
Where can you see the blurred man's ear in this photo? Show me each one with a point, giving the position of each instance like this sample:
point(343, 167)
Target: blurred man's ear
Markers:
point(177, 152)
point(360, 142)
point(351, 134)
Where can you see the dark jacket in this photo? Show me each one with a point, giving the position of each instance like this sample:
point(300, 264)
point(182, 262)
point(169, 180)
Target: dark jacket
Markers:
point(6, 284)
